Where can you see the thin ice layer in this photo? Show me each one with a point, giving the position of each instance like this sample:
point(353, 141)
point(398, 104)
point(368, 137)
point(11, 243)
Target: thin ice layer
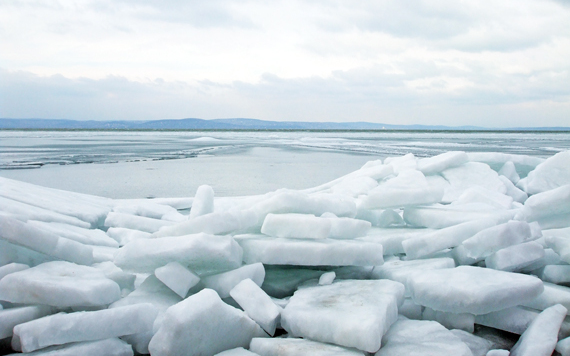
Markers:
point(294, 347)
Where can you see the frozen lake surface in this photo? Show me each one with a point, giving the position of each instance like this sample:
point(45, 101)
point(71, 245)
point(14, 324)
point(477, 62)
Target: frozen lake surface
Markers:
point(137, 164)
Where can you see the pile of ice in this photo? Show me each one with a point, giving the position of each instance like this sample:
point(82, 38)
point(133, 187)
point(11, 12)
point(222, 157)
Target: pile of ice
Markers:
point(449, 255)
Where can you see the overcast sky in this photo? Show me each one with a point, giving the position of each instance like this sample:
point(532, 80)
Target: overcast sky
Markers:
point(451, 62)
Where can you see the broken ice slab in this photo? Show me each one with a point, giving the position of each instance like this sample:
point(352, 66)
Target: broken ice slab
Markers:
point(177, 277)
point(123, 235)
point(294, 347)
point(479, 346)
point(135, 222)
point(543, 206)
point(24, 234)
point(391, 238)
point(65, 328)
point(515, 258)
point(203, 202)
point(198, 252)
point(26, 212)
point(441, 216)
point(468, 175)
point(418, 338)
point(203, 324)
point(221, 222)
point(60, 284)
point(509, 171)
point(107, 347)
point(423, 245)
point(560, 244)
point(563, 347)
point(478, 194)
point(474, 290)
point(346, 228)
point(462, 321)
point(309, 252)
point(238, 351)
point(257, 305)
point(11, 268)
point(18, 315)
point(492, 239)
point(302, 226)
point(436, 164)
point(380, 217)
point(557, 274)
point(553, 294)
point(349, 313)
point(540, 338)
point(79, 234)
point(224, 282)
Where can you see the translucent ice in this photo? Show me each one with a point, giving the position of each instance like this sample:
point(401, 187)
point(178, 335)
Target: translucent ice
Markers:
point(303, 226)
point(177, 277)
point(18, 315)
point(550, 174)
point(294, 347)
point(349, 313)
point(491, 240)
point(203, 324)
point(107, 347)
point(509, 171)
point(135, 222)
point(440, 216)
point(79, 234)
point(463, 321)
point(436, 164)
point(11, 268)
point(420, 338)
point(474, 290)
point(468, 175)
point(553, 294)
point(213, 223)
point(60, 284)
point(224, 282)
point(238, 351)
point(203, 201)
point(515, 258)
point(563, 347)
point(327, 278)
point(257, 305)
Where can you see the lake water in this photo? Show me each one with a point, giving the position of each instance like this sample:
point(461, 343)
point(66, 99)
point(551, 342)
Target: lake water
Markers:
point(137, 164)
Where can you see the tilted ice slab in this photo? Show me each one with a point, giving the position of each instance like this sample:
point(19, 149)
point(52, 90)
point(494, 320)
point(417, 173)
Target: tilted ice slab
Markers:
point(302, 226)
point(543, 206)
point(421, 338)
point(203, 324)
point(203, 202)
point(391, 239)
point(48, 243)
point(441, 216)
point(492, 239)
point(468, 175)
point(214, 223)
point(474, 290)
point(349, 313)
point(550, 174)
point(514, 258)
point(540, 338)
point(26, 212)
point(197, 252)
point(553, 294)
point(238, 351)
point(14, 316)
point(107, 347)
point(64, 328)
point(462, 321)
point(436, 164)
point(224, 282)
point(177, 277)
point(309, 252)
point(523, 163)
point(346, 228)
point(407, 189)
point(60, 284)
point(141, 223)
point(295, 347)
point(79, 234)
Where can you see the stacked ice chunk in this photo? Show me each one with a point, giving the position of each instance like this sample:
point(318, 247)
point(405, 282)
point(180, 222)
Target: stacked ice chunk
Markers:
point(469, 245)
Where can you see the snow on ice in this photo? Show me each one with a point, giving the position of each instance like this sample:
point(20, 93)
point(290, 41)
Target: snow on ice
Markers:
point(405, 256)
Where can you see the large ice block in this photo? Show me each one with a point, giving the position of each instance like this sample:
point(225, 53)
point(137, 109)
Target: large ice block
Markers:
point(436, 164)
point(107, 347)
point(18, 315)
point(475, 290)
point(391, 238)
point(79, 234)
point(560, 245)
point(419, 338)
point(541, 336)
point(135, 222)
point(514, 258)
point(60, 284)
point(48, 243)
point(294, 347)
point(197, 252)
point(203, 202)
point(346, 228)
point(302, 226)
point(553, 294)
point(349, 313)
point(224, 282)
point(202, 324)
point(281, 251)
point(64, 328)
point(441, 216)
point(257, 305)
point(177, 277)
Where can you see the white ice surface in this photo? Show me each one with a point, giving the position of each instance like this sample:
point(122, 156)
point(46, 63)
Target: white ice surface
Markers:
point(212, 223)
point(462, 321)
point(509, 171)
point(349, 313)
point(550, 174)
point(107, 347)
point(295, 347)
point(478, 345)
point(224, 282)
point(203, 324)
point(11, 268)
point(473, 290)
point(79, 234)
point(301, 226)
point(553, 294)
point(436, 164)
point(492, 239)
point(541, 336)
point(516, 257)
point(135, 222)
point(18, 315)
point(238, 351)
point(440, 216)
point(563, 347)
point(468, 175)
point(327, 278)
point(61, 284)
point(203, 202)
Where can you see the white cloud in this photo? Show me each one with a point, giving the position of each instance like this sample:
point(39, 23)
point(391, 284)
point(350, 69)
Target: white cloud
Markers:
point(389, 61)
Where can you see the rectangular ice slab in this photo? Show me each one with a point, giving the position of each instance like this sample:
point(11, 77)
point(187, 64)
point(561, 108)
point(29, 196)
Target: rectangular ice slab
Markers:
point(14, 316)
point(295, 347)
point(177, 277)
point(514, 258)
point(202, 324)
point(136, 222)
point(198, 252)
point(301, 226)
point(421, 338)
point(221, 222)
point(328, 252)
point(64, 328)
point(349, 313)
point(474, 290)
point(224, 282)
point(107, 347)
point(257, 305)
point(60, 284)
point(491, 240)
point(24, 234)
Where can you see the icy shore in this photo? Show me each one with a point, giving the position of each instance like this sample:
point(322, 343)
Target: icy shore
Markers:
point(405, 256)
